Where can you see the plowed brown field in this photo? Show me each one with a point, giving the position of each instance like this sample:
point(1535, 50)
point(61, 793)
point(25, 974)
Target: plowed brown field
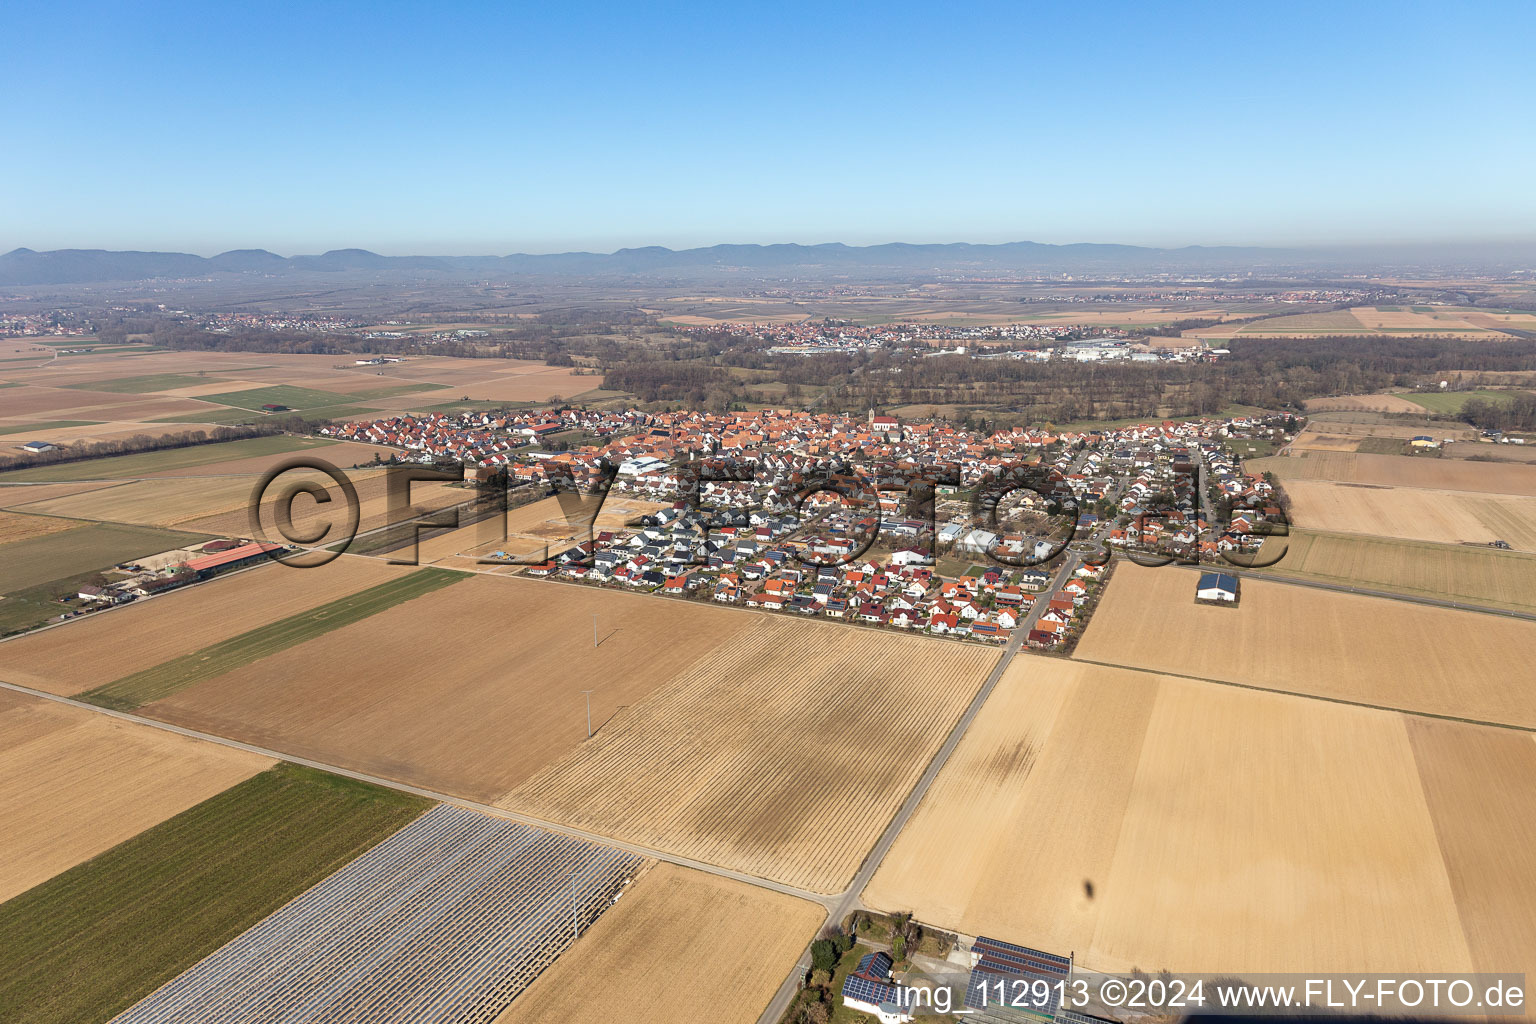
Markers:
point(468, 690)
point(783, 754)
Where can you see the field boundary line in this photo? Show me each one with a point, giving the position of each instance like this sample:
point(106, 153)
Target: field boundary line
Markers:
point(821, 899)
point(1308, 696)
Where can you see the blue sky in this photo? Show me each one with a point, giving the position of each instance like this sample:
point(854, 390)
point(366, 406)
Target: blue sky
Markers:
point(503, 127)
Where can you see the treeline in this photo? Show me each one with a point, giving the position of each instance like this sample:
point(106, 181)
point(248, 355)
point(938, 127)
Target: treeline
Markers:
point(1517, 412)
point(688, 382)
point(136, 443)
point(562, 338)
point(1264, 373)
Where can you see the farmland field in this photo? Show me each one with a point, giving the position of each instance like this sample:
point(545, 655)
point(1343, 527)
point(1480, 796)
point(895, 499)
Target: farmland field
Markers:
point(1462, 572)
point(1401, 471)
point(73, 784)
point(308, 514)
point(123, 923)
point(532, 530)
point(220, 505)
point(341, 454)
point(643, 961)
point(100, 648)
point(121, 467)
point(1319, 439)
point(37, 572)
point(15, 495)
point(744, 759)
point(1363, 403)
point(274, 635)
point(15, 526)
point(469, 690)
point(1169, 823)
point(1481, 789)
point(442, 923)
point(1342, 646)
point(1408, 513)
point(147, 383)
point(38, 428)
point(1453, 401)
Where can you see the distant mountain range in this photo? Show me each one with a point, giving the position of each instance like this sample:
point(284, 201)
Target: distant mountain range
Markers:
point(81, 266)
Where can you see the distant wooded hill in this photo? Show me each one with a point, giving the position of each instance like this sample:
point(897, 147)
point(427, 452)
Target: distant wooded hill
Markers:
point(76, 266)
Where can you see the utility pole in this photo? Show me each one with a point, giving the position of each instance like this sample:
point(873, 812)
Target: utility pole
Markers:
point(589, 712)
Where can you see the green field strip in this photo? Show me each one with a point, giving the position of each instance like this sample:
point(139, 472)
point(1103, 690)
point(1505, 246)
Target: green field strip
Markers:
point(152, 684)
point(295, 398)
point(122, 467)
point(147, 384)
point(88, 943)
point(393, 392)
point(125, 350)
point(30, 428)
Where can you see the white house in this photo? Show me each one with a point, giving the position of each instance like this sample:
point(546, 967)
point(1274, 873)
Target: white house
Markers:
point(1216, 586)
point(869, 990)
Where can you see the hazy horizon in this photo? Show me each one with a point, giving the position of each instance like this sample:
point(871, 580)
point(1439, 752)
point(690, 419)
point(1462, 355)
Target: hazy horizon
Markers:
point(482, 129)
point(1490, 243)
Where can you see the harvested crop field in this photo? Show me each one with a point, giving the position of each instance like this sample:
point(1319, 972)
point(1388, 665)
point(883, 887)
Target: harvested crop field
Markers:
point(643, 960)
point(123, 923)
point(103, 647)
point(310, 515)
point(1342, 646)
point(442, 923)
point(1401, 471)
point(1317, 441)
point(748, 755)
point(1481, 787)
point(1461, 572)
point(1407, 513)
point(125, 467)
point(33, 403)
point(220, 505)
point(73, 784)
point(469, 690)
point(547, 526)
point(175, 675)
point(1168, 823)
point(343, 455)
point(15, 526)
point(14, 496)
point(1363, 403)
point(151, 502)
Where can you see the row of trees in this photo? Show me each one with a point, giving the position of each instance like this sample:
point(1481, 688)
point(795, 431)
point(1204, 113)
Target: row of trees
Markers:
point(140, 443)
